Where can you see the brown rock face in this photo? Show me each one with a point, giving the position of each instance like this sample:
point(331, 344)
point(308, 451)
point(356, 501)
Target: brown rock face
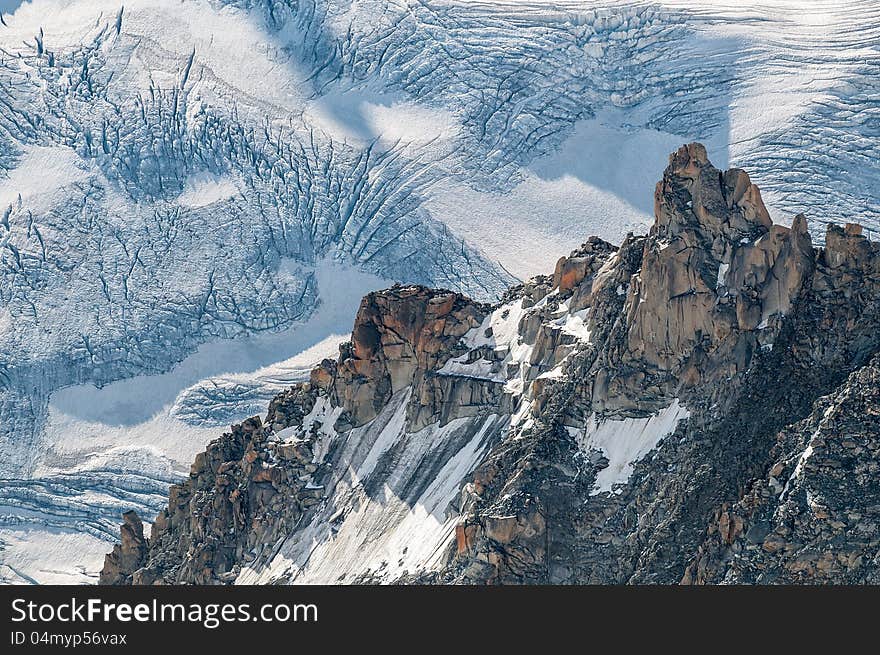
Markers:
point(247, 488)
point(848, 248)
point(399, 335)
point(244, 490)
point(128, 555)
point(578, 274)
point(715, 277)
point(695, 194)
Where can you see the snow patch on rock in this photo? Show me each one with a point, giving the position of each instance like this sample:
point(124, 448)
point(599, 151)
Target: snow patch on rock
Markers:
point(625, 442)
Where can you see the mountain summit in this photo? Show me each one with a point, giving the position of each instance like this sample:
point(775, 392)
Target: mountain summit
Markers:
point(697, 405)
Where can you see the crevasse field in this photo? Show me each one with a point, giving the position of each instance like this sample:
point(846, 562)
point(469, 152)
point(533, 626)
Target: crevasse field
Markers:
point(195, 194)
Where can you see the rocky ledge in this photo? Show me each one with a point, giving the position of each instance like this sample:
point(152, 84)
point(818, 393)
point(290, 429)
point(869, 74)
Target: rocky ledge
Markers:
point(697, 405)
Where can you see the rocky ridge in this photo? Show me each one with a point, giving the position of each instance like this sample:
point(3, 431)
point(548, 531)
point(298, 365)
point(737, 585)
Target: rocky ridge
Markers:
point(629, 419)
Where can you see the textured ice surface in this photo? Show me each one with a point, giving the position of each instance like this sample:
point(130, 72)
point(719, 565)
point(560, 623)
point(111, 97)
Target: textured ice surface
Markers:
point(172, 174)
point(122, 445)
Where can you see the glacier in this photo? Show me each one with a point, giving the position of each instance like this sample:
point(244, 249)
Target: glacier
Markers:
point(194, 195)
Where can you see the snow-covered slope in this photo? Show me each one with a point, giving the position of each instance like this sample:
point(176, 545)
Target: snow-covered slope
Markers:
point(173, 174)
point(390, 512)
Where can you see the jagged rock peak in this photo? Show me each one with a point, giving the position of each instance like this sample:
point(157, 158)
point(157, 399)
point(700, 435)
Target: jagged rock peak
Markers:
point(693, 194)
point(847, 247)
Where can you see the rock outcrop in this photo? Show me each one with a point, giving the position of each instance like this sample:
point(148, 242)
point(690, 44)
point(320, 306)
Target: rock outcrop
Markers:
point(129, 555)
point(696, 405)
point(399, 335)
point(244, 491)
point(254, 484)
